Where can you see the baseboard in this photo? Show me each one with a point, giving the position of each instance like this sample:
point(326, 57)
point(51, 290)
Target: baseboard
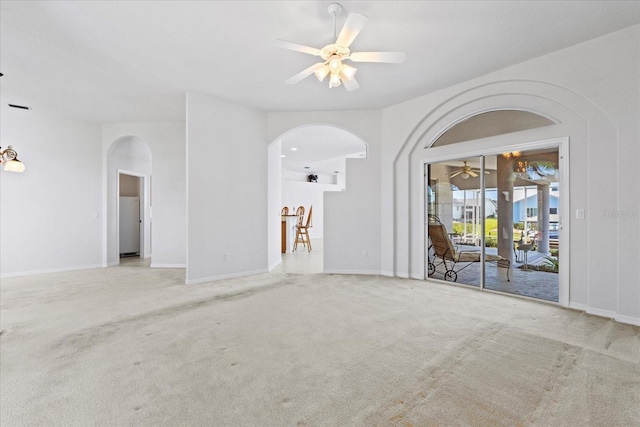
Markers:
point(417, 277)
point(361, 272)
point(224, 276)
point(605, 313)
point(600, 312)
point(627, 319)
point(51, 270)
point(168, 265)
point(387, 273)
point(274, 265)
point(578, 306)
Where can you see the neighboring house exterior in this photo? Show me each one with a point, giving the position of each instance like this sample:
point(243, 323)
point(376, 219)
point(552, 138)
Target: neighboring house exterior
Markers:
point(472, 209)
point(526, 210)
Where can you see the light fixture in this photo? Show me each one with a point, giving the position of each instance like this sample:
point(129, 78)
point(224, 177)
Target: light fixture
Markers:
point(335, 64)
point(511, 154)
point(322, 72)
point(9, 157)
point(522, 166)
point(334, 80)
point(337, 70)
point(464, 175)
point(348, 72)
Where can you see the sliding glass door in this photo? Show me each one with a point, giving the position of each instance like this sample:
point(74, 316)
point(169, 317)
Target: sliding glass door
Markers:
point(492, 222)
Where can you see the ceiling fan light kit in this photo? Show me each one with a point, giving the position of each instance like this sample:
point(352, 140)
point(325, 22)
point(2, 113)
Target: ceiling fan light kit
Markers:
point(333, 55)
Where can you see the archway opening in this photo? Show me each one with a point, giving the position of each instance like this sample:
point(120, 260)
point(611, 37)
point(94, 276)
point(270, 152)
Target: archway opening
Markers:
point(492, 217)
point(304, 164)
point(128, 200)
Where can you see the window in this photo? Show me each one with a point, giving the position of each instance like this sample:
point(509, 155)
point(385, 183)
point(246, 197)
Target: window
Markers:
point(553, 211)
point(531, 212)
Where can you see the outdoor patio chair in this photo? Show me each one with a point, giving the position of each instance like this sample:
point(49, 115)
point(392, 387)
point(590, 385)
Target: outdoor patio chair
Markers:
point(444, 254)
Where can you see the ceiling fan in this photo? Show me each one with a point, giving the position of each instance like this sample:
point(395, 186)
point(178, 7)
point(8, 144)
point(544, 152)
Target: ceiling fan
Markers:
point(466, 171)
point(333, 55)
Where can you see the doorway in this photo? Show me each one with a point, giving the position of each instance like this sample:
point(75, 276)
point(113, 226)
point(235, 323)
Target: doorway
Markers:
point(305, 163)
point(130, 231)
point(500, 214)
point(128, 156)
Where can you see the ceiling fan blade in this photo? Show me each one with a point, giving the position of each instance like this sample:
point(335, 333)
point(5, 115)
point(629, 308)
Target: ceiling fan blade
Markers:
point(349, 84)
point(355, 23)
point(297, 47)
point(303, 74)
point(455, 174)
point(388, 57)
point(472, 173)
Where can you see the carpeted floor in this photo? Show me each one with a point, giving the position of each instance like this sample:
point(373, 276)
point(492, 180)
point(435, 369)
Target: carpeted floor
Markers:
point(133, 346)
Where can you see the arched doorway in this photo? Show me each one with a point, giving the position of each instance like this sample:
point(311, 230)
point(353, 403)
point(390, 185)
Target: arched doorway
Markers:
point(489, 214)
point(128, 176)
point(304, 163)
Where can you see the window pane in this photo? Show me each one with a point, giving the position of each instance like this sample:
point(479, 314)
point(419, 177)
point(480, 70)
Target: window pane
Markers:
point(454, 223)
point(525, 187)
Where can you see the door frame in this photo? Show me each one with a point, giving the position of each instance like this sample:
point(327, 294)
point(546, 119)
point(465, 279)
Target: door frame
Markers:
point(145, 213)
point(456, 151)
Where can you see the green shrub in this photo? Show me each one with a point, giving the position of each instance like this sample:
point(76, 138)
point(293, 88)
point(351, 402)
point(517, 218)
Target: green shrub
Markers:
point(551, 263)
point(491, 242)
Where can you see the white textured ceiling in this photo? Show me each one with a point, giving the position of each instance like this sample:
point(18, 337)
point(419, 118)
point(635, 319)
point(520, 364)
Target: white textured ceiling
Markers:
point(129, 61)
point(319, 149)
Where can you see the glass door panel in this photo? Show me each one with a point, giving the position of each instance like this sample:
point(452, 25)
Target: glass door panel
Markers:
point(454, 220)
point(524, 188)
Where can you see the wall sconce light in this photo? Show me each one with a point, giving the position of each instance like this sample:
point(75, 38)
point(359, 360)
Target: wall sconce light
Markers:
point(9, 157)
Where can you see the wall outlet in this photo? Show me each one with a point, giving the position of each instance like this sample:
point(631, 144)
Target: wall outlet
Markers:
point(579, 213)
point(226, 256)
point(365, 253)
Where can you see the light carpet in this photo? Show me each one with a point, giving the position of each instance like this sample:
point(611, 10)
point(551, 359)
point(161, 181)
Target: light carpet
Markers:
point(132, 346)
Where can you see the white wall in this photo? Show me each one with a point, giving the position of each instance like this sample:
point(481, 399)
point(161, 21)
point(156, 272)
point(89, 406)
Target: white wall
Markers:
point(351, 218)
point(593, 89)
point(167, 142)
point(50, 214)
point(226, 189)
